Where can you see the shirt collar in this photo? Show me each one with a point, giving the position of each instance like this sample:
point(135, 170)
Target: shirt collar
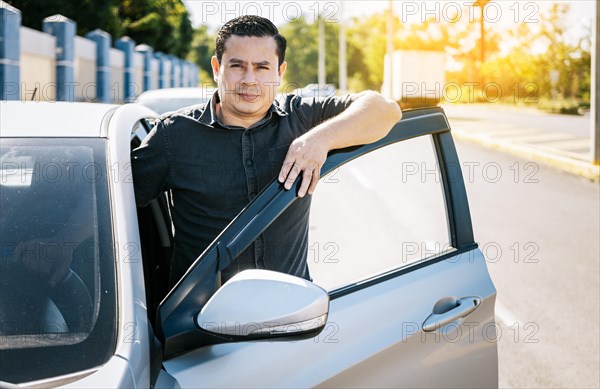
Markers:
point(209, 115)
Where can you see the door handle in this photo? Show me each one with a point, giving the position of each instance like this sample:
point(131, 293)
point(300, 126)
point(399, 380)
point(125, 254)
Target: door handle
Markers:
point(442, 315)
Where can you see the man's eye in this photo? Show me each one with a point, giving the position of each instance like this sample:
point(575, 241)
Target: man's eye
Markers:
point(264, 67)
point(236, 65)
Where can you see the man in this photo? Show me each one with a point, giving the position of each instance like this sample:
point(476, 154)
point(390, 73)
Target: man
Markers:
point(215, 158)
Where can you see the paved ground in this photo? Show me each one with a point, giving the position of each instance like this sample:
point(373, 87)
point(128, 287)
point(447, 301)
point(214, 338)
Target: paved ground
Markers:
point(561, 141)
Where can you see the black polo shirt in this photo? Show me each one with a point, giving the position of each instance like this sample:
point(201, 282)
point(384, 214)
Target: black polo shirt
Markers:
point(214, 171)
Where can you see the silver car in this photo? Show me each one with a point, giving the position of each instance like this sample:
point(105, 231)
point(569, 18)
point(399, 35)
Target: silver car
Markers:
point(83, 296)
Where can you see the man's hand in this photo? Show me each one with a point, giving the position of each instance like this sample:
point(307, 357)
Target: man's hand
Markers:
point(306, 154)
point(368, 119)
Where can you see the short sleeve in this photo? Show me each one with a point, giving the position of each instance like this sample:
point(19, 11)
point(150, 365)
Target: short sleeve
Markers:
point(150, 164)
point(314, 110)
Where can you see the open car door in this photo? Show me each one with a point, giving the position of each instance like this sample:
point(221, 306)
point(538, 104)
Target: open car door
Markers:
point(428, 323)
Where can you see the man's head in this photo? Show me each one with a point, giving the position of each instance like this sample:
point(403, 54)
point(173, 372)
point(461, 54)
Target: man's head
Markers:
point(248, 67)
point(250, 25)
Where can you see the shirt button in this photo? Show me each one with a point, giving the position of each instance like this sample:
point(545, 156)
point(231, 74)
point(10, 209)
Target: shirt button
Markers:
point(249, 162)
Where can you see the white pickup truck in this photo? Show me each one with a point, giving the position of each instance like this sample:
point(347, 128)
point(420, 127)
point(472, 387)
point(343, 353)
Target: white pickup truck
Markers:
point(416, 79)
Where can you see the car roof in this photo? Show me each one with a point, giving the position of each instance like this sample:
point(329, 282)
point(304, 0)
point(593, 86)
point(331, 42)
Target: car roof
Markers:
point(173, 99)
point(52, 119)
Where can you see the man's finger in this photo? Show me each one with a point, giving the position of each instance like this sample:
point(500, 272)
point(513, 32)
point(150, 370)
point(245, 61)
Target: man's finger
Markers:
point(307, 177)
point(293, 174)
point(285, 170)
point(315, 180)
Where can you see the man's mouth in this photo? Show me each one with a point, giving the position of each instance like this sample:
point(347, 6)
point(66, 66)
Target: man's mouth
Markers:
point(248, 96)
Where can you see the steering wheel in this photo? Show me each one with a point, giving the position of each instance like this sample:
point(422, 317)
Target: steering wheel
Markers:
point(38, 309)
point(74, 302)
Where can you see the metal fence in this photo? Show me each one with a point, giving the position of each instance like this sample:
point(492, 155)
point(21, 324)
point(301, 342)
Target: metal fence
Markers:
point(57, 65)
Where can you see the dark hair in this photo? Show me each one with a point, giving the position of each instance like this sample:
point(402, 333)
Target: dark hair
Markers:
point(249, 25)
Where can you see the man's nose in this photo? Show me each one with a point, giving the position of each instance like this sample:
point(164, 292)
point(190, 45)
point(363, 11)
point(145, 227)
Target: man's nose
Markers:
point(249, 77)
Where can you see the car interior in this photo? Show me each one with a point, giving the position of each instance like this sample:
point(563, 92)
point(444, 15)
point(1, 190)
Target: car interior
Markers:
point(27, 298)
point(156, 238)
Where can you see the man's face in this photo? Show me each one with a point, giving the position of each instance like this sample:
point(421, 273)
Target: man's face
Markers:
point(247, 78)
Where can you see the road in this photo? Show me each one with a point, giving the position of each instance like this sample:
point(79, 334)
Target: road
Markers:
point(520, 117)
point(538, 227)
point(563, 141)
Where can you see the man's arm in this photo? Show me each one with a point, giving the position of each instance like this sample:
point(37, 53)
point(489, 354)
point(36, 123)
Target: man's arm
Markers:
point(368, 119)
point(151, 166)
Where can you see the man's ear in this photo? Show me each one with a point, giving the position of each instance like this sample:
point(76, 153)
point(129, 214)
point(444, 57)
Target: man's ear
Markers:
point(214, 63)
point(282, 68)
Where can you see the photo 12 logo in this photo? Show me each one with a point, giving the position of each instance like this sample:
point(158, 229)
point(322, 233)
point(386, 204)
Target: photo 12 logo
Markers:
point(454, 11)
point(471, 171)
point(289, 11)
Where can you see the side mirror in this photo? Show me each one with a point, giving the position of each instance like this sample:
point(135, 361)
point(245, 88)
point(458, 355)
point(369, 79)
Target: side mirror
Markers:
point(263, 304)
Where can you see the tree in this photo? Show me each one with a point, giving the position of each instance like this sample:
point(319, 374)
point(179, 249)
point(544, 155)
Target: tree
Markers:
point(366, 51)
point(302, 53)
point(557, 79)
point(89, 14)
point(163, 24)
point(202, 51)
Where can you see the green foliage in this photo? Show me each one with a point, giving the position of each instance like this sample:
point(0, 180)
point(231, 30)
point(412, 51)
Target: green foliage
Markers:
point(163, 24)
point(366, 49)
point(569, 106)
point(557, 80)
point(202, 50)
point(302, 53)
point(89, 14)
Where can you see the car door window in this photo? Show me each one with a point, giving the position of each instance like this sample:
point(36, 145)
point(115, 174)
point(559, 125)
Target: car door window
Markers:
point(379, 212)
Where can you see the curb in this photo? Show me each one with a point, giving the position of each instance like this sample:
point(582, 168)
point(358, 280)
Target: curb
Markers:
point(548, 157)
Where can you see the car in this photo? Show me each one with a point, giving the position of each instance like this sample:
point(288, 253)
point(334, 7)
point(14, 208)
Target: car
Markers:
point(171, 99)
point(109, 319)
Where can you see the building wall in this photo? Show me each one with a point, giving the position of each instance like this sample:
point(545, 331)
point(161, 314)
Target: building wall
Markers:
point(117, 75)
point(37, 62)
point(154, 72)
point(85, 70)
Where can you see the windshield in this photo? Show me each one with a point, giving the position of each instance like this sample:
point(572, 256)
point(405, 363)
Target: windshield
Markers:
point(57, 279)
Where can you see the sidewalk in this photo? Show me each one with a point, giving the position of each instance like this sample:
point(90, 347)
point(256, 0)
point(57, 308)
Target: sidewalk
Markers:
point(560, 141)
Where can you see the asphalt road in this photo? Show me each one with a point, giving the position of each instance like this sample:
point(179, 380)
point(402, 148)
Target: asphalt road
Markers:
point(537, 226)
point(520, 117)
